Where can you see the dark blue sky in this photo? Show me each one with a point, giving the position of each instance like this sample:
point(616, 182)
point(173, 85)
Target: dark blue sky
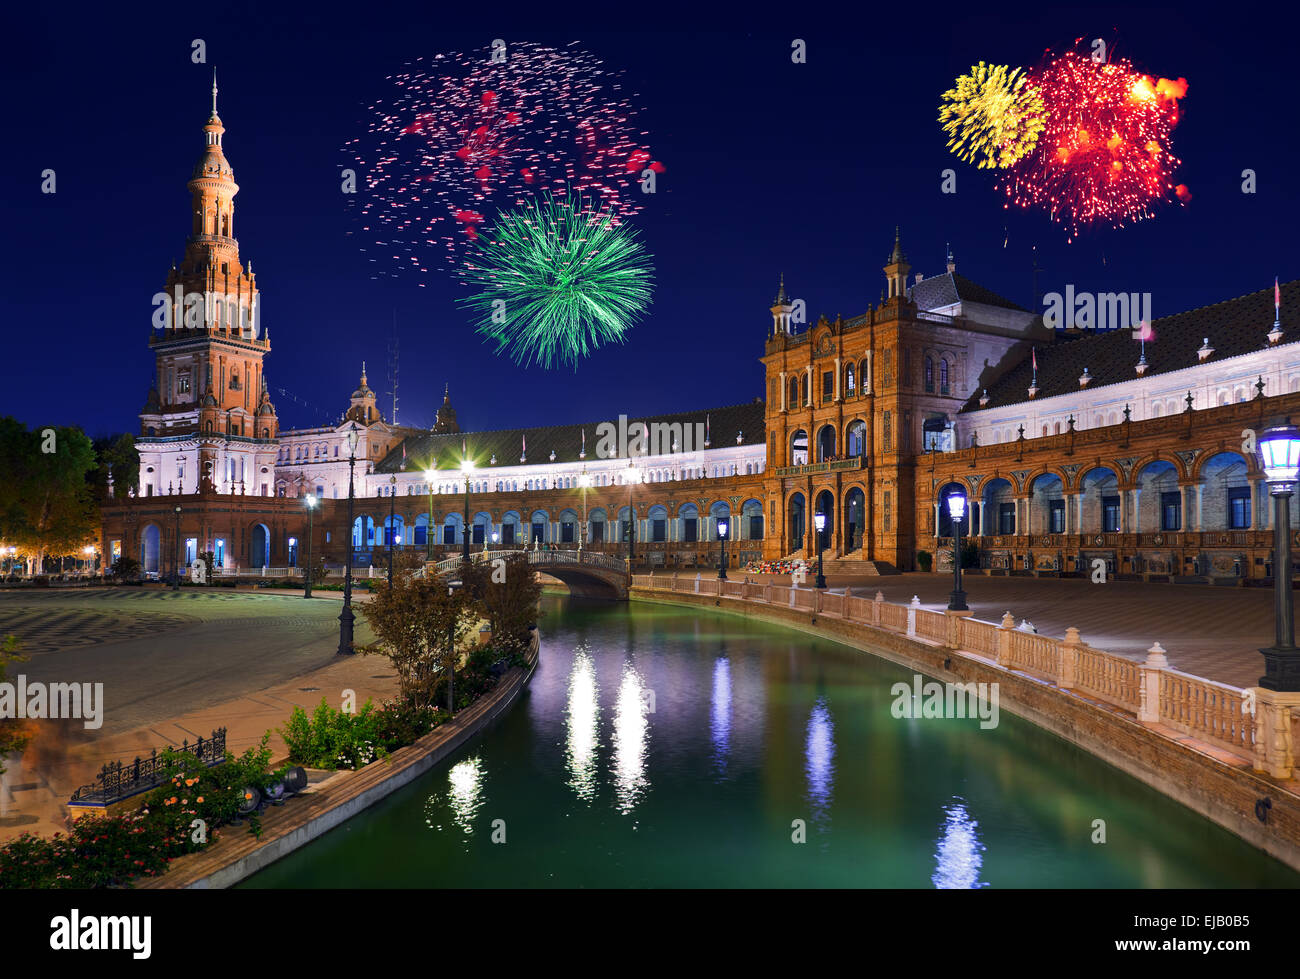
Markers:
point(771, 167)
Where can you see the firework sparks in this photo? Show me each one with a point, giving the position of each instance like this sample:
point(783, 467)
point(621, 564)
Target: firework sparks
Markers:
point(992, 116)
point(1104, 156)
point(557, 278)
point(463, 135)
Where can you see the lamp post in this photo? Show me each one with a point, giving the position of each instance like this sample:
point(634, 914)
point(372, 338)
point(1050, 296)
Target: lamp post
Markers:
point(956, 510)
point(633, 477)
point(584, 481)
point(451, 650)
point(176, 581)
point(346, 616)
point(819, 522)
point(89, 551)
point(1280, 450)
point(722, 536)
point(467, 467)
point(428, 532)
point(311, 508)
point(391, 534)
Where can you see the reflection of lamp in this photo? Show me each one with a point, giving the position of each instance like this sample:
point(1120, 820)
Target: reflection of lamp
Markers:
point(956, 510)
point(722, 536)
point(819, 522)
point(1279, 448)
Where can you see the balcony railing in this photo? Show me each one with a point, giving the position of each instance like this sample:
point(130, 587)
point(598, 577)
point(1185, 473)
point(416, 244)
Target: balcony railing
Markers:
point(839, 465)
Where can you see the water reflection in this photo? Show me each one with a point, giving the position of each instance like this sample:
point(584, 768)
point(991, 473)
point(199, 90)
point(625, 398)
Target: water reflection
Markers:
point(581, 717)
point(819, 760)
point(958, 858)
point(464, 796)
point(720, 714)
point(631, 732)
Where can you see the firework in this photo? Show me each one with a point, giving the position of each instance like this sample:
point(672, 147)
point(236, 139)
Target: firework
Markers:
point(463, 136)
point(992, 116)
point(1104, 156)
point(557, 278)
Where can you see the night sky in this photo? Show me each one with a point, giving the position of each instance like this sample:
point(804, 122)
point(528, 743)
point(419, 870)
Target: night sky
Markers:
point(771, 167)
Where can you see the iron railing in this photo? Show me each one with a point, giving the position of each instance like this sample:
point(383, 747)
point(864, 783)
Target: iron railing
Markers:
point(117, 781)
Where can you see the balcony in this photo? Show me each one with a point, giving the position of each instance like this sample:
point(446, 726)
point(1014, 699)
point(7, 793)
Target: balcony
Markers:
point(839, 465)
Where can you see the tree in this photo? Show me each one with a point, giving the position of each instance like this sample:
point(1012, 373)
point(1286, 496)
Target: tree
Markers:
point(412, 622)
point(125, 568)
point(509, 592)
point(47, 504)
point(118, 454)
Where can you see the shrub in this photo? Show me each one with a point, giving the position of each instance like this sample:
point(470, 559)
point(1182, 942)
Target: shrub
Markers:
point(924, 560)
point(332, 738)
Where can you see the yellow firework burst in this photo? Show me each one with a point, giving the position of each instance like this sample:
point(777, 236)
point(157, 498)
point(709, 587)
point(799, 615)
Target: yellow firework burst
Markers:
point(992, 116)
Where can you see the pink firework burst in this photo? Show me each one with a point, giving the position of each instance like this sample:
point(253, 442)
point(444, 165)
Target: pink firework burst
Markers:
point(463, 137)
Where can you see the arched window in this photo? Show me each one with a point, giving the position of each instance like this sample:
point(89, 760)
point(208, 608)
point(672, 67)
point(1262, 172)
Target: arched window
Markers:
point(943, 377)
point(849, 379)
point(803, 389)
point(794, 391)
point(929, 375)
point(864, 378)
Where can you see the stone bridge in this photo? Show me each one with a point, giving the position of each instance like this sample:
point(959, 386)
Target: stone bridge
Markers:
point(587, 574)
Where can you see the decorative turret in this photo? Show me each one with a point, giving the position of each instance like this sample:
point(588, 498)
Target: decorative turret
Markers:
point(781, 310)
point(363, 409)
point(446, 420)
point(897, 269)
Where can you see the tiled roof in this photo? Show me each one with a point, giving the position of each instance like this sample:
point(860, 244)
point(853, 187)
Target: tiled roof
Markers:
point(953, 287)
point(566, 440)
point(1234, 327)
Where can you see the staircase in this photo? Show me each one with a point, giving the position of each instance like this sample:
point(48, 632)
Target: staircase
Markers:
point(845, 565)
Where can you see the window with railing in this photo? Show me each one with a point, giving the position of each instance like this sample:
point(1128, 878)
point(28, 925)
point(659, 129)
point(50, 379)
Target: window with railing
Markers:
point(1171, 511)
point(1006, 518)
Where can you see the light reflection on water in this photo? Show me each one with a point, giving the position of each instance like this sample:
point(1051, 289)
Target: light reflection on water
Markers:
point(463, 797)
point(959, 854)
point(720, 714)
point(581, 722)
point(631, 737)
point(819, 763)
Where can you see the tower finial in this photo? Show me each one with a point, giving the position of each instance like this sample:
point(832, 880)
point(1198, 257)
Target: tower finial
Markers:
point(214, 90)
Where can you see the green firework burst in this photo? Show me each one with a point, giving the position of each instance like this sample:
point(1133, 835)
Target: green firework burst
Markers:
point(555, 279)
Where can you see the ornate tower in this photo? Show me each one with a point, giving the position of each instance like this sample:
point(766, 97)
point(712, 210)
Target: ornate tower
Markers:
point(896, 271)
point(446, 420)
point(209, 406)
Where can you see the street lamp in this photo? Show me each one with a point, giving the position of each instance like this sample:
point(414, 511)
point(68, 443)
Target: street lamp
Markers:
point(584, 481)
point(1280, 450)
point(495, 537)
point(451, 651)
point(819, 522)
point(311, 508)
point(176, 581)
point(722, 536)
point(633, 477)
point(391, 533)
point(956, 510)
point(428, 532)
point(346, 617)
point(89, 551)
point(467, 467)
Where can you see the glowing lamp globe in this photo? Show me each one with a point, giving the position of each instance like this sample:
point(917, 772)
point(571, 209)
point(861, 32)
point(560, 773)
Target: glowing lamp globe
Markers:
point(722, 529)
point(819, 521)
point(467, 466)
point(353, 437)
point(957, 506)
point(1280, 450)
point(428, 475)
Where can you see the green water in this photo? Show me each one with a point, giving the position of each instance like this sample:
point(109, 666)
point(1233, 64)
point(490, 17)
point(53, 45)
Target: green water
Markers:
point(669, 747)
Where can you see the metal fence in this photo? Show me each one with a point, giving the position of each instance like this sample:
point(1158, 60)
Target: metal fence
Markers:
point(117, 781)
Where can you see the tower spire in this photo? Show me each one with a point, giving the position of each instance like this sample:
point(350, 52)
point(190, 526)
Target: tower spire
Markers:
point(214, 91)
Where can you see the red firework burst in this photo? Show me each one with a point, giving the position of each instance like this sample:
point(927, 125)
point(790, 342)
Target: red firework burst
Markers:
point(1105, 155)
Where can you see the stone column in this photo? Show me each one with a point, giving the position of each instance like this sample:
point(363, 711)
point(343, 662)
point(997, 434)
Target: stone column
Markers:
point(1149, 685)
point(784, 393)
point(1137, 510)
point(837, 398)
point(911, 615)
point(878, 601)
point(1274, 746)
point(1069, 658)
point(1005, 628)
point(936, 521)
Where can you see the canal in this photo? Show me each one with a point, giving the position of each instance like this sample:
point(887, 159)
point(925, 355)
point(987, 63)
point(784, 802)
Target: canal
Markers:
point(673, 747)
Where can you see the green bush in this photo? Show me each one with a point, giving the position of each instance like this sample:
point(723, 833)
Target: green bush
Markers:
point(924, 560)
point(333, 739)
